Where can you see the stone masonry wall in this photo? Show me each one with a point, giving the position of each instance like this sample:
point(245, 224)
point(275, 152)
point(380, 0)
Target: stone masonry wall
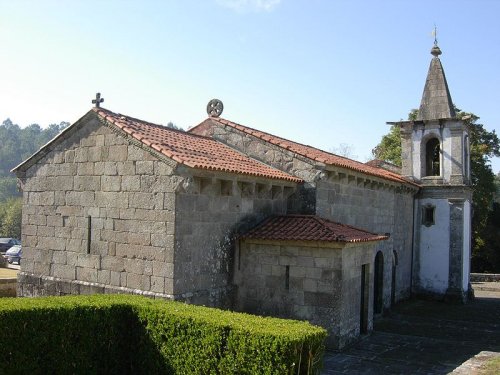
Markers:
point(98, 213)
point(345, 196)
point(211, 211)
point(303, 281)
point(402, 244)
point(303, 201)
point(380, 209)
point(354, 256)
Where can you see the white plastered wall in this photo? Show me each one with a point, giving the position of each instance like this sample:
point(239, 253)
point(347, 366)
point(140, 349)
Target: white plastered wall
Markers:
point(467, 245)
point(435, 248)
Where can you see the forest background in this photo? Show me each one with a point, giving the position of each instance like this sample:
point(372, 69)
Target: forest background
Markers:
point(16, 145)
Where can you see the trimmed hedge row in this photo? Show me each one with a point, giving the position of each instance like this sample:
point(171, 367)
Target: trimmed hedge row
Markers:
point(122, 334)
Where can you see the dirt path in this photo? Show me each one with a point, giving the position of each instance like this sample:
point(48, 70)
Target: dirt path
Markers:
point(7, 273)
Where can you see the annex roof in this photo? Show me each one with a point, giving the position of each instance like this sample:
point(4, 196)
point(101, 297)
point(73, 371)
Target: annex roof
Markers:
point(311, 152)
point(308, 228)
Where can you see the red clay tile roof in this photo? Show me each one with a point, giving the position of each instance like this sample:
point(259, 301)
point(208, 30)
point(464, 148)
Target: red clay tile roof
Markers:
point(192, 150)
point(308, 228)
point(314, 153)
point(377, 163)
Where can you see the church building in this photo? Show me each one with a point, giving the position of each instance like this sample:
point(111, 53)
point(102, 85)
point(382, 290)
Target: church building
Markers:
point(229, 216)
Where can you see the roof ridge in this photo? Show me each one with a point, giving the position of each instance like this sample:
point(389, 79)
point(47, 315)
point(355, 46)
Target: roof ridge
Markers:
point(184, 148)
point(285, 139)
point(300, 227)
point(324, 223)
point(353, 227)
point(127, 117)
point(164, 127)
point(342, 161)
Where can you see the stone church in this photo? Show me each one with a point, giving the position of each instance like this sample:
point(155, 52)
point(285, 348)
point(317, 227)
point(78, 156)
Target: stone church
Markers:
point(229, 216)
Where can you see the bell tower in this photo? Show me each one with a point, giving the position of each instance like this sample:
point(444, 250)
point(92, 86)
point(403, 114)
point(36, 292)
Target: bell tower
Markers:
point(435, 154)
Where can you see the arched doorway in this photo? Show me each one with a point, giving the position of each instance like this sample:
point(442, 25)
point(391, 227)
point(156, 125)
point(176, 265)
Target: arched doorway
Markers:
point(378, 283)
point(393, 286)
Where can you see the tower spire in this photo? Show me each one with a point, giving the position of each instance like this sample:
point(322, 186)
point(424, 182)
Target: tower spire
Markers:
point(436, 100)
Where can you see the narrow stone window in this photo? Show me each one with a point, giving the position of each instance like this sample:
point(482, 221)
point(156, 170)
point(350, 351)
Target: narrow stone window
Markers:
point(428, 215)
point(239, 257)
point(287, 277)
point(432, 157)
point(89, 233)
point(65, 221)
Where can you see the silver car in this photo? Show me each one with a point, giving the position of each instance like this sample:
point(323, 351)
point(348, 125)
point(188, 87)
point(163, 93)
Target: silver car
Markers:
point(14, 254)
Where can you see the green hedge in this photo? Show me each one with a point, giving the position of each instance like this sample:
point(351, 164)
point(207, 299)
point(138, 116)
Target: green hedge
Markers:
point(119, 334)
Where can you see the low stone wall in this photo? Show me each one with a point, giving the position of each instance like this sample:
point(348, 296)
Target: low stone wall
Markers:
point(484, 277)
point(36, 286)
point(8, 287)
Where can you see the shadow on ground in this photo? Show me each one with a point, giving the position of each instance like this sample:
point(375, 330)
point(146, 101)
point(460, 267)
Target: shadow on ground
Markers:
point(423, 337)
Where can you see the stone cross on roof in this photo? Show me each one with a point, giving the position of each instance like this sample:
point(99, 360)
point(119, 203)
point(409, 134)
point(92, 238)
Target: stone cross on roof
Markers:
point(98, 100)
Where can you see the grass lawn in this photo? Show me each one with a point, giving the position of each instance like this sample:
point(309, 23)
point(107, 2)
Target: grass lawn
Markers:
point(7, 273)
point(491, 367)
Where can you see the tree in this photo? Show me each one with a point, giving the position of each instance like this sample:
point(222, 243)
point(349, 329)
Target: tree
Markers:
point(345, 150)
point(389, 148)
point(497, 187)
point(171, 125)
point(17, 145)
point(10, 218)
point(8, 188)
point(483, 146)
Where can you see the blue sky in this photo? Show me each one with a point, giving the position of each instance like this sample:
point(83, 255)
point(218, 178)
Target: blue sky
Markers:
point(320, 72)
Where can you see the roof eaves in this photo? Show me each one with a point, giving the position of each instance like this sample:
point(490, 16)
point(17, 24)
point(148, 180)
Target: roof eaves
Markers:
point(281, 142)
point(376, 237)
point(323, 223)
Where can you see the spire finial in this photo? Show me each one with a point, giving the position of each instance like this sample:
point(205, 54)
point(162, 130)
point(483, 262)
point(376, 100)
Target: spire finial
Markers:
point(434, 34)
point(435, 51)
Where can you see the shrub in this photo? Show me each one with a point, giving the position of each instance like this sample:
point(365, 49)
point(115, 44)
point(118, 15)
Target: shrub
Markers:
point(134, 335)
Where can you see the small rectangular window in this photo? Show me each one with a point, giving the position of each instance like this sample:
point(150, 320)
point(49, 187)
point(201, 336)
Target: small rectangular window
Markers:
point(428, 215)
point(287, 277)
point(89, 233)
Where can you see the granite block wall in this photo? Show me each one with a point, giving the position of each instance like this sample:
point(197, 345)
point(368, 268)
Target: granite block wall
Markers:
point(354, 256)
point(344, 196)
point(211, 211)
point(308, 281)
point(379, 208)
point(98, 210)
